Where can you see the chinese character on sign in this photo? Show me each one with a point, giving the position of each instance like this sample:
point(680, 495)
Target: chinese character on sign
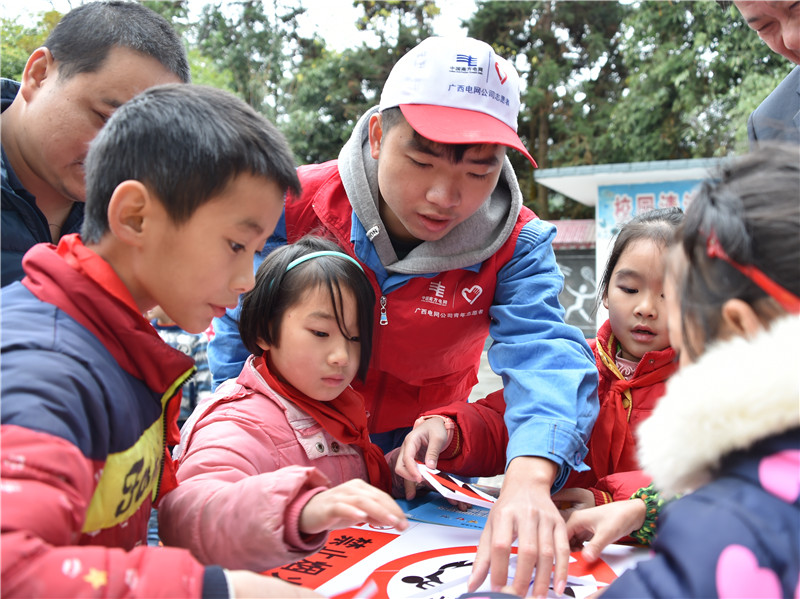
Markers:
point(668, 200)
point(307, 566)
point(350, 541)
point(688, 196)
point(645, 202)
point(623, 207)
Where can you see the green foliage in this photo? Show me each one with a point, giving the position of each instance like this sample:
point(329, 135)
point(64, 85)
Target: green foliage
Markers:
point(568, 56)
point(205, 71)
point(398, 23)
point(692, 67)
point(607, 82)
point(254, 47)
point(17, 42)
point(603, 82)
point(329, 93)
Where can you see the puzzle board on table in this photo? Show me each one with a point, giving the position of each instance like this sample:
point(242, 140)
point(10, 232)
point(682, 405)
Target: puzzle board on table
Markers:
point(426, 561)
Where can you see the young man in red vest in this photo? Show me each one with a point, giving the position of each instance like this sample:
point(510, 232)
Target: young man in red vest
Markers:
point(424, 197)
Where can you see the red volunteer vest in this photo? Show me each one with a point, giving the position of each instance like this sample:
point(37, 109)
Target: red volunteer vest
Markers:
point(428, 351)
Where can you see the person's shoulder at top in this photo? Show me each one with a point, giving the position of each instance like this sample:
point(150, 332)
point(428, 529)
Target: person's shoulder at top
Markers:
point(534, 230)
point(773, 118)
point(786, 93)
point(313, 176)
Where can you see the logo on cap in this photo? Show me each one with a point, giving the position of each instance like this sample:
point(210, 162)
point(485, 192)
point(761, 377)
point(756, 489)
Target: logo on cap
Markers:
point(471, 62)
point(500, 74)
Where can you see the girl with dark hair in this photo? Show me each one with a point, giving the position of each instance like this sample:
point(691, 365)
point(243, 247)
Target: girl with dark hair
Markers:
point(634, 360)
point(726, 435)
point(276, 458)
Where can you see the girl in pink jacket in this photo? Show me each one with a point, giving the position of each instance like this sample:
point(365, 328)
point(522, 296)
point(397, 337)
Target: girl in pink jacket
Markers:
point(276, 458)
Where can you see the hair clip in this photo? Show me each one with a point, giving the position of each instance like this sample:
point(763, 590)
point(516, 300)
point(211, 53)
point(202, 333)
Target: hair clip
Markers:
point(788, 300)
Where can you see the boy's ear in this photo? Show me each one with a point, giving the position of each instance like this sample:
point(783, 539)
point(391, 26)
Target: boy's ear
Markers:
point(40, 66)
point(375, 135)
point(605, 301)
point(262, 344)
point(739, 318)
point(130, 203)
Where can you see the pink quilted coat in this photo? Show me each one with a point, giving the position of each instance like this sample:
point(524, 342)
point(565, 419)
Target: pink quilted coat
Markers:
point(248, 462)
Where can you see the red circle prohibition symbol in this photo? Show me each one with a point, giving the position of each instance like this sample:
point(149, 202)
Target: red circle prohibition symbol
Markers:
point(383, 575)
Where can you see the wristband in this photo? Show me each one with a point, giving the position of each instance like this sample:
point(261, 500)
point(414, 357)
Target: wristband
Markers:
point(449, 423)
point(653, 503)
point(453, 435)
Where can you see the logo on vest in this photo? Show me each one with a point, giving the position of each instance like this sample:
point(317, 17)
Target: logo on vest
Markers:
point(437, 291)
point(472, 293)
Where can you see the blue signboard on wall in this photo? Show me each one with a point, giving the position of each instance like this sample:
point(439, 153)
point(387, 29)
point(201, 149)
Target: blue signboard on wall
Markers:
point(617, 204)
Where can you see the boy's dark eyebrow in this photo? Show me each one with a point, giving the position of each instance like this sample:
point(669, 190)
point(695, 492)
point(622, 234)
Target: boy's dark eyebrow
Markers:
point(111, 103)
point(419, 144)
point(248, 223)
point(416, 143)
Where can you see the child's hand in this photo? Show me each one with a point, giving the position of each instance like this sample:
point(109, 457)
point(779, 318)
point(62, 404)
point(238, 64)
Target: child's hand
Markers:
point(400, 486)
point(350, 503)
point(603, 525)
point(425, 442)
point(571, 500)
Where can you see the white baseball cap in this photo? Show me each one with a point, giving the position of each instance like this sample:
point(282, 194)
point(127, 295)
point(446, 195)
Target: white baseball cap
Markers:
point(456, 90)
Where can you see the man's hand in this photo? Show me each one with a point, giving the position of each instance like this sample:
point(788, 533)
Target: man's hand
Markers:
point(524, 511)
point(603, 525)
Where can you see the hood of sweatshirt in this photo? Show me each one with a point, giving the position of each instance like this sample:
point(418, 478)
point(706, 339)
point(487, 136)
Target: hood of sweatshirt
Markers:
point(468, 244)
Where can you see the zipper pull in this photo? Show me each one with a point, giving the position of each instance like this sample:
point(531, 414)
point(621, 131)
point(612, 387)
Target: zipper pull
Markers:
point(384, 320)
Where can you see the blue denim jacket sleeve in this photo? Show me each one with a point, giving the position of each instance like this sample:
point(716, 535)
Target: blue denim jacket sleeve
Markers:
point(548, 370)
point(226, 353)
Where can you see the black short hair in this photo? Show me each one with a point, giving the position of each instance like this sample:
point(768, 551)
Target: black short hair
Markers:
point(276, 290)
point(752, 206)
point(185, 143)
point(83, 38)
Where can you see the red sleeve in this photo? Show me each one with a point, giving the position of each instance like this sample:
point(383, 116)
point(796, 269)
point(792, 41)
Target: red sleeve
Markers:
point(482, 434)
point(47, 484)
point(619, 486)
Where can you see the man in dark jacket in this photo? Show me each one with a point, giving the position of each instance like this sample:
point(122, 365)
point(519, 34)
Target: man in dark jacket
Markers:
point(98, 56)
point(778, 25)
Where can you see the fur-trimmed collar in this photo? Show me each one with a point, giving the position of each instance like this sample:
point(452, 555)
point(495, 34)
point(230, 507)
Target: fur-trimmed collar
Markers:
point(736, 394)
